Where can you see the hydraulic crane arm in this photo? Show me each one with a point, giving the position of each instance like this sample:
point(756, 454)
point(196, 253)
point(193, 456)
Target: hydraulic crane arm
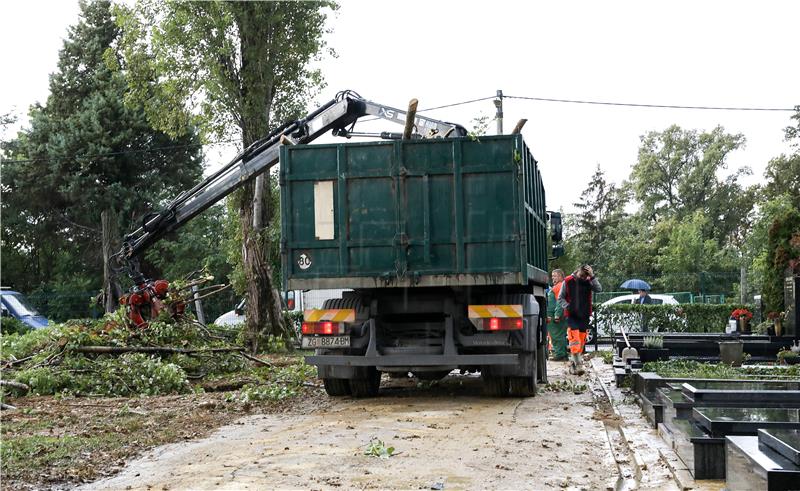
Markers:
point(336, 115)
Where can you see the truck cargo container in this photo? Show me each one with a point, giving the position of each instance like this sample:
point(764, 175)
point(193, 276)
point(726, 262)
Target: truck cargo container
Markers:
point(444, 245)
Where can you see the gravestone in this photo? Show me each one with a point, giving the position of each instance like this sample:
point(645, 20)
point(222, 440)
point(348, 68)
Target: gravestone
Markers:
point(724, 421)
point(784, 442)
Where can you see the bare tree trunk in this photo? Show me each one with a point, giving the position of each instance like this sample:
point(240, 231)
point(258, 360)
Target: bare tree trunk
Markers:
point(263, 301)
point(111, 288)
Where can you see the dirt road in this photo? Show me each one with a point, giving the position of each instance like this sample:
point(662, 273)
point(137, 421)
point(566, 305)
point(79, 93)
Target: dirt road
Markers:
point(445, 437)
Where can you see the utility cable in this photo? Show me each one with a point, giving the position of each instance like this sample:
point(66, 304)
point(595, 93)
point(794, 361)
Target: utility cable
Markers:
point(658, 106)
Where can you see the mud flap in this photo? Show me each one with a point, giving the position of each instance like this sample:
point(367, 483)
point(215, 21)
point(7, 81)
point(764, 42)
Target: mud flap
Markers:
point(339, 371)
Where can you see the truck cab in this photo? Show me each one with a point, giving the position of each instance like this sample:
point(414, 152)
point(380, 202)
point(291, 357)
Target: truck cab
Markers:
point(14, 304)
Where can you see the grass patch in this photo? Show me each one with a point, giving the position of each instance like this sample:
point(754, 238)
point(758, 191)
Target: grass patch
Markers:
point(701, 370)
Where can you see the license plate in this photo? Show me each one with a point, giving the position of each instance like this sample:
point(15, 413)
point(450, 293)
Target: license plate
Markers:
point(326, 342)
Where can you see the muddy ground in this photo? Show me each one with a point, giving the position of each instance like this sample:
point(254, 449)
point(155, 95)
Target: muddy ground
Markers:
point(446, 436)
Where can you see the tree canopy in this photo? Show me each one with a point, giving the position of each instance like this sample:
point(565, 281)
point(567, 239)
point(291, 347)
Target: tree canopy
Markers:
point(238, 68)
point(84, 152)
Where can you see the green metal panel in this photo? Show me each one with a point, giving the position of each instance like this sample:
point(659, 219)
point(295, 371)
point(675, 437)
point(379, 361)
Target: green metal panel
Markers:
point(446, 211)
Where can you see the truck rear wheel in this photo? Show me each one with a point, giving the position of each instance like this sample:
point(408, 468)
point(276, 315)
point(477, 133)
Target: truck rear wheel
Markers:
point(336, 386)
point(522, 386)
point(495, 386)
point(366, 387)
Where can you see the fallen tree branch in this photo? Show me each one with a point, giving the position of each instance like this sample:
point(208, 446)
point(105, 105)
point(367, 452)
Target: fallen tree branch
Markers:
point(118, 350)
point(14, 385)
point(3, 405)
point(11, 363)
point(256, 359)
point(238, 384)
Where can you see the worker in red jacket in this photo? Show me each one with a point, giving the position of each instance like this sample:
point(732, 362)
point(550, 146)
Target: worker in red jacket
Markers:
point(575, 298)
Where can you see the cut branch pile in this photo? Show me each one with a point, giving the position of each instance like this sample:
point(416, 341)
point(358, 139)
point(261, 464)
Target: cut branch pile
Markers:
point(105, 358)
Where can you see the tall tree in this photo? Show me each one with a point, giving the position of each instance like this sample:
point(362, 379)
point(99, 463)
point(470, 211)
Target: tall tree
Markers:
point(601, 210)
point(677, 175)
point(86, 153)
point(241, 67)
point(602, 207)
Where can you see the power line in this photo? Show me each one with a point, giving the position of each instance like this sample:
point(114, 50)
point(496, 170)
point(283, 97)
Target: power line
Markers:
point(454, 104)
point(658, 106)
point(111, 154)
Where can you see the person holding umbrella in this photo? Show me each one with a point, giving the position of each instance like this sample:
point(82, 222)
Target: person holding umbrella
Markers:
point(575, 298)
point(644, 297)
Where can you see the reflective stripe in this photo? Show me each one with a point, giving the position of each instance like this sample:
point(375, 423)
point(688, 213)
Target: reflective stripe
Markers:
point(501, 311)
point(332, 315)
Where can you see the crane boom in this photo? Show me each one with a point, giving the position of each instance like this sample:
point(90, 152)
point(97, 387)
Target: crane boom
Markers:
point(336, 115)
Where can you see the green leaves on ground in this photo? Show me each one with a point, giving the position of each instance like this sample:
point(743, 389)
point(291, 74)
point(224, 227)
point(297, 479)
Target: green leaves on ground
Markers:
point(48, 361)
point(376, 448)
point(566, 386)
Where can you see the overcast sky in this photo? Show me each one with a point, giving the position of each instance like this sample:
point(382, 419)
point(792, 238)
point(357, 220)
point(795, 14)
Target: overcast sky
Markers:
point(723, 53)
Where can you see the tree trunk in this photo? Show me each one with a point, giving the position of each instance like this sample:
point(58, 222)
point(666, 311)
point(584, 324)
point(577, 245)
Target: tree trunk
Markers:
point(111, 289)
point(264, 314)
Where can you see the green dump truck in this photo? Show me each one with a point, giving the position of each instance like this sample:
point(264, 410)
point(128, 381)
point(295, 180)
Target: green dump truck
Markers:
point(444, 245)
point(441, 237)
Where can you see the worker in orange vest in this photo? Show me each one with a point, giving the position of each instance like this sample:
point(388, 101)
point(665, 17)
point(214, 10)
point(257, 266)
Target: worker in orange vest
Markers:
point(556, 322)
point(575, 298)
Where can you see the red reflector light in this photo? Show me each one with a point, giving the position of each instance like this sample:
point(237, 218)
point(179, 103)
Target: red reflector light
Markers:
point(503, 323)
point(322, 328)
point(290, 304)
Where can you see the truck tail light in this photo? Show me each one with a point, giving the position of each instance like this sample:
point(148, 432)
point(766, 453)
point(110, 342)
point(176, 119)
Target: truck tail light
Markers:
point(503, 323)
point(290, 304)
point(323, 328)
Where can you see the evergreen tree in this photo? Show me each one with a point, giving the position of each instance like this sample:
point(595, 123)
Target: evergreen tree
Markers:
point(84, 153)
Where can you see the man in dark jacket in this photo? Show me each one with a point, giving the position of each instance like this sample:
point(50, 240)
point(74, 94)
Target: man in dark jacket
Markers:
point(575, 298)
point(644, 298)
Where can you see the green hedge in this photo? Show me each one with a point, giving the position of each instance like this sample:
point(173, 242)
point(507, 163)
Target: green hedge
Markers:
point(665, 318)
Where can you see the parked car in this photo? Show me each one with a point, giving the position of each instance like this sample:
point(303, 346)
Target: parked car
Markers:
point(635, 323)
point(658, 299)
point(14, 304)
point(293, 301)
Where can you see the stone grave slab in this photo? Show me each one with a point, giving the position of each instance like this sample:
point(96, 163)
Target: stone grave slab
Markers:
point(724, 421)
point(784, 442)
point(749, 465)
point(702, 454)
point(773, 394)
point(675, 404)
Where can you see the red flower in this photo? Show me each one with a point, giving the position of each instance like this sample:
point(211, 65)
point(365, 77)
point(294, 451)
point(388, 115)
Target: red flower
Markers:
point(742, 314)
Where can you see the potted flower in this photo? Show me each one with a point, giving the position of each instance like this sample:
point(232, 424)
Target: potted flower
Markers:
point(742, 318)
point(777, 319)
point(787, 356)
point(653, 349)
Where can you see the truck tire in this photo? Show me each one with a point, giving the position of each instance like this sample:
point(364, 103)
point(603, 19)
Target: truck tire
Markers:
point(366, 387)
point(541, 365)
point(336, 386)
point(495, 386)
point(522, 386)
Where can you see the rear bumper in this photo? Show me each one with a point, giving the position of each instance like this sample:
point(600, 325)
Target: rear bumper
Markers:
point(412, 360)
